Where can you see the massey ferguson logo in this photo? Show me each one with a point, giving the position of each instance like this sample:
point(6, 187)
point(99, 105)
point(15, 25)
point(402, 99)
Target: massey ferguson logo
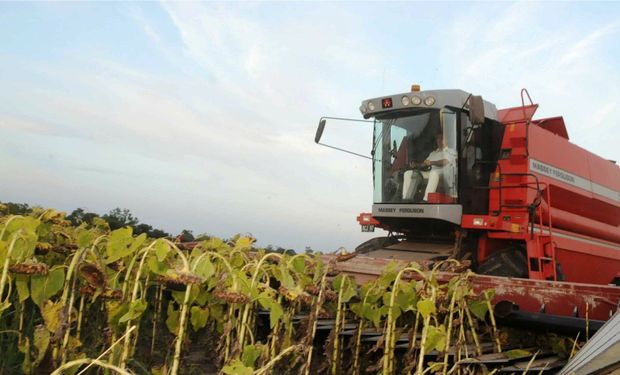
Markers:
point(411, 210)
point(402, 210)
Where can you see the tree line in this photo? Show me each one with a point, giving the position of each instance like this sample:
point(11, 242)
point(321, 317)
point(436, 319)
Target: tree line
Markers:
point(116, 218)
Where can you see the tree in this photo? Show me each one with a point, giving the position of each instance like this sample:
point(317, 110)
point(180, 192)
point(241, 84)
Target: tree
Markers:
point(150, 231)
point(158, 233)
point(119, 218)
point(17, 208)
point(79, 216)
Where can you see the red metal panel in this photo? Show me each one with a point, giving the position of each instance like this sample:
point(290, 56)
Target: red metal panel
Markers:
point(553, 124)
point(516, 114)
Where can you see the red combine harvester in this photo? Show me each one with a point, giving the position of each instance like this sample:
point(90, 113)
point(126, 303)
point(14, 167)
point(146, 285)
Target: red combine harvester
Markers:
point(536, 216)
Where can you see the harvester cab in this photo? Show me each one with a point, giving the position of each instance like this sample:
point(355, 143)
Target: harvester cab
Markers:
point(430, 151)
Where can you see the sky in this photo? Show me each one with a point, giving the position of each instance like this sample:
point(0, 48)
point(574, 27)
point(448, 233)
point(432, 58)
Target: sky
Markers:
point(201, 115)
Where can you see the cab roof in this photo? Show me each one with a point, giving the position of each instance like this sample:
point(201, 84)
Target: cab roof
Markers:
point(422, 99)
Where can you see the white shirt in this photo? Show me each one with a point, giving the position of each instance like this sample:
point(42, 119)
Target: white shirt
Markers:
point(441, 154)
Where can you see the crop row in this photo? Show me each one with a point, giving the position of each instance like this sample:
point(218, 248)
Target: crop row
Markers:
point(76, 297)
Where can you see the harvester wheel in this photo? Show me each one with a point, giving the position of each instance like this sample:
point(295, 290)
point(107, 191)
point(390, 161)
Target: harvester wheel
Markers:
point(510, 262)
point(375, 243)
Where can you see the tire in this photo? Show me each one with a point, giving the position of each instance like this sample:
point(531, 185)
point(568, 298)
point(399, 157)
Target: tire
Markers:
point(510, 262)
point(375, 243)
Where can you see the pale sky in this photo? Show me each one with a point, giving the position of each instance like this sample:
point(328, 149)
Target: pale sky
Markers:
point(202, 115)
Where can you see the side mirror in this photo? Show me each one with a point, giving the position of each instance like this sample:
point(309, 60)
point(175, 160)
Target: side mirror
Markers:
point(476, 110)
point(319, 131)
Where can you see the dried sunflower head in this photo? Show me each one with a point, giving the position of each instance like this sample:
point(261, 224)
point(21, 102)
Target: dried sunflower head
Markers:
point(330, 295)
point(29, 268)
point(332, 272)
point(179, 281)
point(305, 299)
point(42, 248)
point(312, 289)
point(107, 293)
point(344, 257)
point(230, 296)
point(93, 275)
point(116, 266)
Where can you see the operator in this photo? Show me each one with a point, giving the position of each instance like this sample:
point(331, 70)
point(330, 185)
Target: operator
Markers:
point(442, 162)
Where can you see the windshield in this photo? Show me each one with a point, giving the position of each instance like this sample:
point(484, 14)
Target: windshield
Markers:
point(415, 158)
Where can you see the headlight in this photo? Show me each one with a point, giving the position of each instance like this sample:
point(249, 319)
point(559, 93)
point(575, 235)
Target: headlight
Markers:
point(416, 100)
point(405, 100)
point(371, 106)
point(429, 101)
point(363, 108)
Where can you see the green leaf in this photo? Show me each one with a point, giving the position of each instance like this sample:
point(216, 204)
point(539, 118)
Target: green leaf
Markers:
point(517, 353)
point(199, 317)
point(119, 244)
point(44, 287)
point(204, 268)
point(237, 368)
point(349, 291)
point(136, 308)
point(406, 299)
point(156, 267)
point(4, 305)
point(202, 297)
point(41, 342)
point(172, 319)
point(3, 251)
point(489, 294)
point(299, 264)
point(115, 310)
point(21, 283)
point(162, 249)
point(265, 299)
point(85, 238)
point(479, 309)
point(24, 346)
point(426, 307)
point(24, 246)
point(250, 355)
point(214, 244)
point(244, 243)
point(285, 277)
point(275, 314)
point(51, 313)
point(435, 339)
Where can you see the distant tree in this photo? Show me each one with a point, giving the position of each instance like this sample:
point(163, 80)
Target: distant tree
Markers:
point(119, 218)
point(158, 233)
point(282, 250)
point(79, 216)
point(149, 230)
point(142, 228)
point(17, 208)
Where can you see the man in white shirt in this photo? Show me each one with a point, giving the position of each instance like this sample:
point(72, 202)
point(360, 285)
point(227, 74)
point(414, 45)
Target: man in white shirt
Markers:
point(443, 166)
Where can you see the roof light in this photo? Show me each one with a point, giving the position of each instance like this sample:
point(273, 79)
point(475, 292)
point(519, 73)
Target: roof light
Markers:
point(429, 101)
point(405, 100)
point(363, 108)
point(386, 103)
point(371, 106)
point(415, 88)
point(416, 100)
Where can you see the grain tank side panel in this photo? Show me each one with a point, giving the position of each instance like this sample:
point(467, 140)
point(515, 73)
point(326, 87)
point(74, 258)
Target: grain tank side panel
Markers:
point(582, 185)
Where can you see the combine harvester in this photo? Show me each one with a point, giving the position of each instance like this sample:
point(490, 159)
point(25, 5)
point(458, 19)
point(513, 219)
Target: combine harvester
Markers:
point(534, 215)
